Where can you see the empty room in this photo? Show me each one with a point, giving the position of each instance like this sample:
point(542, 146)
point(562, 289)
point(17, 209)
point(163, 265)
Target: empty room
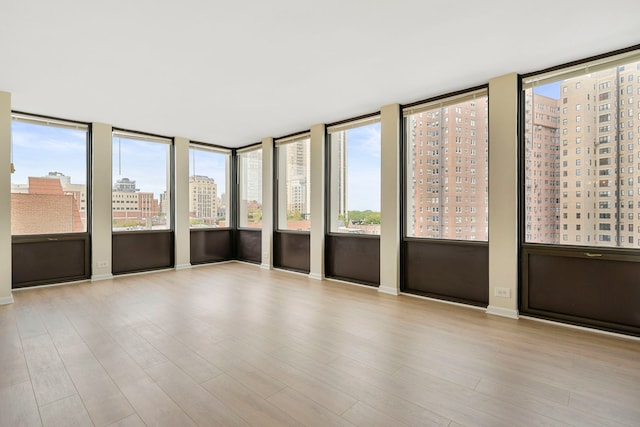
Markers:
point(319, 213)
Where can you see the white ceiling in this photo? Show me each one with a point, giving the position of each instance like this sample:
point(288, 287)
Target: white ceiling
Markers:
point(233, 72)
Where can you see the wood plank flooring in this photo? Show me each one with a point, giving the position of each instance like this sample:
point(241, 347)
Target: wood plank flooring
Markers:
point(235, 345)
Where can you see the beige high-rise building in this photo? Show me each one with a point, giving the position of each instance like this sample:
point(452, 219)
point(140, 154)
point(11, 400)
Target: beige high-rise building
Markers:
point(600, 157)
point(542, 168)
point(203, 197)
point(448, 177)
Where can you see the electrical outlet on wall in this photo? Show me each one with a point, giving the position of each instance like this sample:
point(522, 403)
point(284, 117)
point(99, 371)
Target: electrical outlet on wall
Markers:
point(502, 292)
point(103, 264)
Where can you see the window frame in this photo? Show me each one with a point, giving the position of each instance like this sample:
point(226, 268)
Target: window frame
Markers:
point(170, 175)
point(447, 100)
point(343, 125)
point(277, 144)
point(43, 120)
point(238, 214)
point(230, 206)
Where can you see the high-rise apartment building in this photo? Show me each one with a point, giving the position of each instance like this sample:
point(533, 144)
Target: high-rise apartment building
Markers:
point(448, 173)
point(298, 174)
point(598, 152)
point(203, 197)
point(542, 168)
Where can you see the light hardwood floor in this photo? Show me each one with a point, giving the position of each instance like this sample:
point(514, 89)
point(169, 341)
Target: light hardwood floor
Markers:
point(235, 345)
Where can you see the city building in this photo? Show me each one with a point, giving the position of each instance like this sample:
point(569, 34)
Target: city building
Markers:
point(542, 168)
point(203, 199)
point(448, 178)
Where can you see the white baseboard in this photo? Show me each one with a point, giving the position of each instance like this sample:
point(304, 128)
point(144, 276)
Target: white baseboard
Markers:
point(183, 266)
point(99, 277)
point(502, 312)
point(389, 290)
point(315, 276)
point(6, 300)
point(265, 266)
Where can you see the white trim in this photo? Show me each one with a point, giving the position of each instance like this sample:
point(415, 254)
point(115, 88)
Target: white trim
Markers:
point(315, 276)
point(389, 290)
point(182, 267)
point(265, 266)
point(581, 328)
point(6, 300)
point(502, 312)
point(443, 301)
point(100, 277)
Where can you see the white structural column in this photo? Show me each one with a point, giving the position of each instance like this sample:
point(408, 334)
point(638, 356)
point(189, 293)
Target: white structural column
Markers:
point(101, 185)
point(181, 198)
point(390, 200)
point(267, 203)
point(5, 198)
point(318, 150)
point(503, 195)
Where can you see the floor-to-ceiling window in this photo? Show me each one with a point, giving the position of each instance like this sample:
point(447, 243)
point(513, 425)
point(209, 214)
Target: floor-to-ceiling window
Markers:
point(141, 201)
point(353, 201)
point(446, 146)
point(581, 193)
point(293, 203)
point(49, 200)
point(249, 210)
point(210, 204)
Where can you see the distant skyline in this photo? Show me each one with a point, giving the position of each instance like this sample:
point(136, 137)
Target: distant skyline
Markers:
point(64, 150)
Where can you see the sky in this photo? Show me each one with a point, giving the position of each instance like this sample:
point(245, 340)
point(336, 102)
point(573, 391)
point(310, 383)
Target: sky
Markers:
point(364, 168)
point(551, 90)
point(38, 150)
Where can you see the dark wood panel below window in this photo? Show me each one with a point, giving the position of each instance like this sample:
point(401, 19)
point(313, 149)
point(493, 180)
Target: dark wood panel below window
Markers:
point(49, 259)
point(353, 258)
point(291, 251)
point(211, 245)
point(601, 291)
point(249, 245)
point(455, 271)
point(142, 251)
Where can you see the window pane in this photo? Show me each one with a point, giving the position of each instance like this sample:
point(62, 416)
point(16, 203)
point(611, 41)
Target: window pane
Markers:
point(294, 196)
point(250, 183)
point(355, 180)
point(208, 188)
point(447, 171)
point(49, 185)
point(580, 180)
point(140, 197)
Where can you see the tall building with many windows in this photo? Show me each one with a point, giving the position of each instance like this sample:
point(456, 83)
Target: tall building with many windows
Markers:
point(203, 197)
point(542, 168)
point(298, 173)
point(597, 151)
point(448, 176)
